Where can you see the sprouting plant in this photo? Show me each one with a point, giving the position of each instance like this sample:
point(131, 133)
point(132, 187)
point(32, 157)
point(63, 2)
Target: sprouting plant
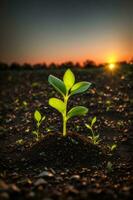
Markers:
point(38, 119)
point(67, 88)
point(109, 167)
point(94, 137)
point(24, 103)
point(20, 142)
point(112, 147)
point(108, 104)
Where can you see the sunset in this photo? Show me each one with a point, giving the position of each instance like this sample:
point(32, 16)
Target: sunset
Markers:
point(60, 31)
point(66, 99)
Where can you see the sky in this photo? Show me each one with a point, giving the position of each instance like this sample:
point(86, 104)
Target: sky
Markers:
point(37, 31)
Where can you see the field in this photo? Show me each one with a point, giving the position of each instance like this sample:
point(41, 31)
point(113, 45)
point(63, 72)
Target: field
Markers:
point(66, 168)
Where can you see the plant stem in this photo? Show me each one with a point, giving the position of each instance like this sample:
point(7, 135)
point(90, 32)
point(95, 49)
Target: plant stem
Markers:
point(65, 116)
point(64, 127)
point(93, 136)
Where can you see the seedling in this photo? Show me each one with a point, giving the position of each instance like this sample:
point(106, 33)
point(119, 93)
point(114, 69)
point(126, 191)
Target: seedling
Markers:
point(20, 142)
point(109, 167)
point(108, 104)
point(94, 137)
point(67, 88)
point(38, 119)
point(112, 147)
point(25, 104)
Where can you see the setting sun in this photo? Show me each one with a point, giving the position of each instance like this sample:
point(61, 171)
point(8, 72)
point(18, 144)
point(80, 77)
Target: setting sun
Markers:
point(111, 66)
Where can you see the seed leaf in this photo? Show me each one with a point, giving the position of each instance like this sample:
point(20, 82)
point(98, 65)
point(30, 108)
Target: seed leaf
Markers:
point(37, 116)
point(80, 87)
point(76, 111)
point(69, 79)
point(113, 147)
point(88, 126)
point(57, 84)
point(43, 118)
point(57, 104)
point(34, 132)
point(93, 121)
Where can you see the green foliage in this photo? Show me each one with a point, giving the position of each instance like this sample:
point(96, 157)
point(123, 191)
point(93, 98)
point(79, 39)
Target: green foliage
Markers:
point(95, 138)
point(112, 147)
point(57, 104)
point(80, 87)
point(76, 111)
point(57, 84)
point(67, 88)
point(38, 120)
point(20, 142)
point(108, 104)
point(25, 103)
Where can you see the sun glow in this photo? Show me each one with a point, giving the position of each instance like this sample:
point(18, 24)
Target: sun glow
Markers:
point(112, 62)
point(111, 66)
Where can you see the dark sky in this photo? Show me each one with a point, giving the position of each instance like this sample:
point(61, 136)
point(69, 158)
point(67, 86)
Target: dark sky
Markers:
point(58, 30)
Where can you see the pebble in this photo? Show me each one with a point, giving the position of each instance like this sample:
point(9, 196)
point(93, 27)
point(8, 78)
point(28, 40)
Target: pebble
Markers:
point(75, 177)
point(45, 174)
point(40, 181)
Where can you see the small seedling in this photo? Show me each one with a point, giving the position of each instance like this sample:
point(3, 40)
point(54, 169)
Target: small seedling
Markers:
point(67, 88)
point(108, 104)
point(20, 142)
point(109, 167)
point(38, 119)
point(112, 147)
point(94, 137)
point(25, 104)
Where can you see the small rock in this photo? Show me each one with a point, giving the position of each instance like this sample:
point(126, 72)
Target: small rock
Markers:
point(31, 194)
point(40, 181)
point(58, 179)
point(45, 174)
point(75, 177)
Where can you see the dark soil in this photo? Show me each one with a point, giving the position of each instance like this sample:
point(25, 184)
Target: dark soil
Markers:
point(66, 168)
point(67, 152)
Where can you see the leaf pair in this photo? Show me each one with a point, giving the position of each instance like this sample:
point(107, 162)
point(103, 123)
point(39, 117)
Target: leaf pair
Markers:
point(60, 106)
point(67, 86)
point(94, 137)
point(38, 117)
point(93, 121)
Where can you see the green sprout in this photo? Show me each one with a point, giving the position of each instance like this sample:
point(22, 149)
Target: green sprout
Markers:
point(108, 104)
point(25, 104)
point(112, 147)
point(67, 88)
point(38, 119)
point(20, 142)
point(94, 137)
point(109, 167)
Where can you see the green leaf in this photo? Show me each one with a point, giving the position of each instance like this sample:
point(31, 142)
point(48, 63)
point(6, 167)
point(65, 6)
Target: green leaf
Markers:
point(57, 84)
point(113, 147)
point(88, 126)
point(76, 111)
point(57, 104)
point(35, 132)
point(97, 136)
point(93, 121)
point(80, 87)
point(43, 118)
point(69, 79)
point(37, 116)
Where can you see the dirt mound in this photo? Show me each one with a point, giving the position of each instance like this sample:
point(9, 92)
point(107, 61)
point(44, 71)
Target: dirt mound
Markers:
point(65, 152)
